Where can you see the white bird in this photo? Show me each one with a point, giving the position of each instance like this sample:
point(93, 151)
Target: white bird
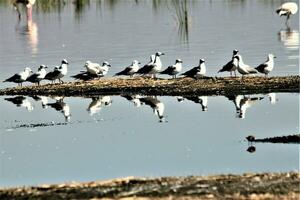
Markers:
point(104, 68)
point(20, 77)
point(130, 70)
point(38, 76)
point(174, 69)
point(242, 67)
point(21, 101)
point(230, 66)
point(154, 68)
point(92, 68)
point(287, 9)
point(97, 103)
point(58, 72)
point(267, 66)
point(196, 72)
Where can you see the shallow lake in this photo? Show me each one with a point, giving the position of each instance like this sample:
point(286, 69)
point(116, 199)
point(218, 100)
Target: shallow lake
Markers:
point(107, 137)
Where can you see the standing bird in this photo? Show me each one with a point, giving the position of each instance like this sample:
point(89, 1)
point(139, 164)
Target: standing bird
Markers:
point(130, 70)
point(28, 4)
point(196, 72)
point(38, 76)
point(287, 9)
point(92, 68)
point(152, 68)
point(267, 66)
point(242, 67)
point(58, 72)
point(20, 77)
point(230, 66)
point(174, 69)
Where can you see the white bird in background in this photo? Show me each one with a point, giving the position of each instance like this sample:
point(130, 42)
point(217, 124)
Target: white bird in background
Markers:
point(21, 101)
point(174, 69)
point(20, 77)
point(92, 68)
point(130, 70)
point(287, 9)
point(242, 67)
point(267, 66)
point(38, 76)
point(97, 103)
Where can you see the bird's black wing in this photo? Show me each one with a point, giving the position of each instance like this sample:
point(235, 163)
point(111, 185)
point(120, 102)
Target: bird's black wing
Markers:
point(124, 72)
point(33, 78)
point(52, 75)
point(146, 69)
point(169, 70)
point(261, 67)
point(15, 78)
point(227, 67)
point(191, 72)
point(84, 76)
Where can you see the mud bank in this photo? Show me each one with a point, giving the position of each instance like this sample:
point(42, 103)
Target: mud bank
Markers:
point(180, 86)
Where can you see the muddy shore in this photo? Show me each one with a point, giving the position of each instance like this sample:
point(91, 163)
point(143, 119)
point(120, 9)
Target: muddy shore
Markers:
point(180, 86)
point(246, 186)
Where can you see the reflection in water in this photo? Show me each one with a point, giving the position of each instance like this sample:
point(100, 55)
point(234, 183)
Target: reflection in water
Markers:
point(242, 103)
point(98, 102)
point(62, 107)
point(42, 99)
point(157, 106)
point(202, 100)
point(30, 30)
point(135, 99)
point(251, 149)
point(289, 38)
point(21, 101)
point(272, 98)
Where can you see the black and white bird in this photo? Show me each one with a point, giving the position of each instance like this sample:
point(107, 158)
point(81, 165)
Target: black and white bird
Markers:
point(130, 70)
point(242, 68)
point(196, 72)
point(267, 66)
point(230, 66)
point(104, 68)
point(58, 72)
point(20, 77)
point(38, 76)
point(202, 100)
point(152, 68)
point(21, 101)
point(173, 70)
point(157, 106)
point(85, 76)
point(62, 107)
point(97, 103)
point(287, 9)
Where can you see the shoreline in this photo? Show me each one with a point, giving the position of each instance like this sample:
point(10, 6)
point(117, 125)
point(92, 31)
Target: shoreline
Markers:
point(206, 86)
point(244, 186)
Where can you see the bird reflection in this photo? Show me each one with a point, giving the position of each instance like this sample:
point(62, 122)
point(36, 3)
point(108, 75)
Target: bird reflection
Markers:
point(202, 100)
point(42, 99)
point(21, 101)
point(97, 103)
point(242, 103)
point(157, 106)
point(289, 38)
point(251, 149)
point(135, 99)
point(272, 98)
point(62, 107)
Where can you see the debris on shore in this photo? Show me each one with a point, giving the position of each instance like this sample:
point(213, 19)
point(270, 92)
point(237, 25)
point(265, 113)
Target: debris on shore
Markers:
point(246, 186)
point(179, 86)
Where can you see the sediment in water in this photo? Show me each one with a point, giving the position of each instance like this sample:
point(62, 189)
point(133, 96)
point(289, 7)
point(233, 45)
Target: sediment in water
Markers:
point(172, 87)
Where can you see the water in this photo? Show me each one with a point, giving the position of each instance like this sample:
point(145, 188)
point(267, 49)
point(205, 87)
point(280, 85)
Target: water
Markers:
point(120, 139)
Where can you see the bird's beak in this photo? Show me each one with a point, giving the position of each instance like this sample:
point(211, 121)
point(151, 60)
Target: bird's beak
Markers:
point(275, 57)
point(109, 65)
point(46, 67)
point(162, 53)
point(139, 63)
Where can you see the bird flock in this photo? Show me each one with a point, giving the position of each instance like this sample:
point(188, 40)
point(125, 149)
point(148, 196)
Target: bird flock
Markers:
point(151, 69)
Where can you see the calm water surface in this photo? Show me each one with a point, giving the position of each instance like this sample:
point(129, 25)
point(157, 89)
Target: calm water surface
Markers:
point(107, 137)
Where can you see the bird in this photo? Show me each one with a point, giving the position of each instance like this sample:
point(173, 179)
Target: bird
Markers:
point(20, 77)
point(130, 70)
point(242, 68)
point(97, 103)
point(196, 72)
point(38, 76)
point(58, 72)
point(267, 66)
point(152, 68)
point(202, 100)
point(157, 106)
point(28, 4)
point(85, 76)
point(21, 101)
point(92, 68)
point(104, 68)
point(287, 9)
point(173, 70)
point(230, 66)
point(62, 107)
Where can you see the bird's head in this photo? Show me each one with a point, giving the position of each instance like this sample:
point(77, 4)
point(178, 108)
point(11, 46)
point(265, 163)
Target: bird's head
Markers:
point(43, 67)
point(27, 69)
point(135, 62)
point(105, 63)
point(178, 61)
point(159, 53)
point(64, 61)
point(201, 61)
point(235, 52)
point(270, 56)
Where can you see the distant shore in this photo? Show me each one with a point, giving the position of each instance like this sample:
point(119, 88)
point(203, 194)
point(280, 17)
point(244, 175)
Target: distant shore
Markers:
point(173, 87)
point(246, 186)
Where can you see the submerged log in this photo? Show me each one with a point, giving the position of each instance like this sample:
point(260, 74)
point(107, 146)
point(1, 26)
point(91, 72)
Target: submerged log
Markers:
point(246, 186)
point(281, 139)
point(180, 86)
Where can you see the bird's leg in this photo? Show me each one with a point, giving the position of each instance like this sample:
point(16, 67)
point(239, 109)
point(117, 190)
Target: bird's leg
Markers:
point(230, 73)
point(234, 73)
